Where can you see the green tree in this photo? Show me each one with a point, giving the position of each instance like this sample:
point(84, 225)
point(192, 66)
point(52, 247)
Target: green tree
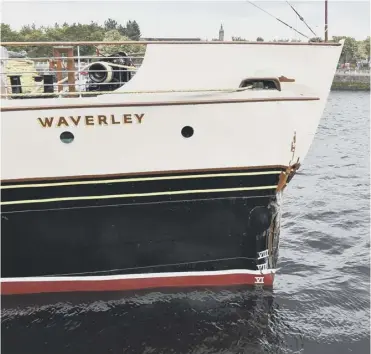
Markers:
point(367, 47)
point(350, 51)
point(122, 30)
point(110, 24)
point(260, 39)
point(115, 35)
point(237, 39)
point(133, 30)
point(67, 32)
point(91, 32)
point(316, 39)
point(32, 34)
point(7, 34)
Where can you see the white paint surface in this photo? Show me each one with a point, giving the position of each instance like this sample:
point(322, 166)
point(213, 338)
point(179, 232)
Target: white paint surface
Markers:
point(226, 135)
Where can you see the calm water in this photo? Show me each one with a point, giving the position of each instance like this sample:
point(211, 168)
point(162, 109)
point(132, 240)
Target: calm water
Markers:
point(320, 303)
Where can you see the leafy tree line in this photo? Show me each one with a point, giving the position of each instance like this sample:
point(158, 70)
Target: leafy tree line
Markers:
point(71, 32)
point(353, 50)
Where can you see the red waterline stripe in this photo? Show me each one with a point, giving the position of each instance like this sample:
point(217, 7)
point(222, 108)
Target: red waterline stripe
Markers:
point(34, 287)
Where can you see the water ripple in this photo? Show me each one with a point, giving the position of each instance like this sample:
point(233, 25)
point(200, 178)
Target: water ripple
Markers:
point(321, 299)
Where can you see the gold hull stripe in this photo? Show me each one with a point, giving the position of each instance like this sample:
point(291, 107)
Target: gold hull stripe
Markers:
point(139, 179)
point(152, 194)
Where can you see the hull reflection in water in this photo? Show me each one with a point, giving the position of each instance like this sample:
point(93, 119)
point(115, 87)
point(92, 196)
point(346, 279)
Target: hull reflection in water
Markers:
point(194, 321)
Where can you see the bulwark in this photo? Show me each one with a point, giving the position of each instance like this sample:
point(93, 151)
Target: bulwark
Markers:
point(96, 120)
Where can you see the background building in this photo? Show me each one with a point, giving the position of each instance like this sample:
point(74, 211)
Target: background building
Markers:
point(221, 33)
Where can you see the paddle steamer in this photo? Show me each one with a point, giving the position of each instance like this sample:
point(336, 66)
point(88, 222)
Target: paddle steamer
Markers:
point(172, 179)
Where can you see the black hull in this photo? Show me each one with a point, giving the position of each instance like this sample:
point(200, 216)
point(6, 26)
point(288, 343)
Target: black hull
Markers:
point(219, 223)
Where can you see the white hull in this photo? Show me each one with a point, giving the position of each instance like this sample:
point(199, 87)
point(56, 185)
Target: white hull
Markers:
point(225, 134)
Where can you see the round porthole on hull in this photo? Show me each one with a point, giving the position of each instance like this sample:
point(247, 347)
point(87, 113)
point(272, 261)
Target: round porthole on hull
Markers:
point(187, 131)
point(67, 137)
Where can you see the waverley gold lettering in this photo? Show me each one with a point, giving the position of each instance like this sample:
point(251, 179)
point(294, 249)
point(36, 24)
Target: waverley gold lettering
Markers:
point(62, 122)
point(100, 120)
point(127, 118)
point(46, 122)
point(113, 119)
point(139, 117)
point(89, 120)
point(75, 120)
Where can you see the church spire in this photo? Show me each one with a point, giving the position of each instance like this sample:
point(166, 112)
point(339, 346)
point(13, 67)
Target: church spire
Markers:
point(221, 33)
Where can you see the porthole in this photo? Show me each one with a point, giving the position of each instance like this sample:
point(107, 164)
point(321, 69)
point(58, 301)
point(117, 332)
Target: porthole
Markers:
point(187, 131)
point(67, 137)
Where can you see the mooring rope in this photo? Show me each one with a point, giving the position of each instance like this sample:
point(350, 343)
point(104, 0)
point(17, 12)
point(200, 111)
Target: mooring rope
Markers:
point(78, 93)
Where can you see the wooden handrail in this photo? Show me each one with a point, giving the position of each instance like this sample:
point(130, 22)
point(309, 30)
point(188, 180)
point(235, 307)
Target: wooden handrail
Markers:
point(153, 104)
point(26, 44)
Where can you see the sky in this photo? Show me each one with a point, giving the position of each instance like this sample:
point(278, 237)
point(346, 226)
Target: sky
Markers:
point(200, 19)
